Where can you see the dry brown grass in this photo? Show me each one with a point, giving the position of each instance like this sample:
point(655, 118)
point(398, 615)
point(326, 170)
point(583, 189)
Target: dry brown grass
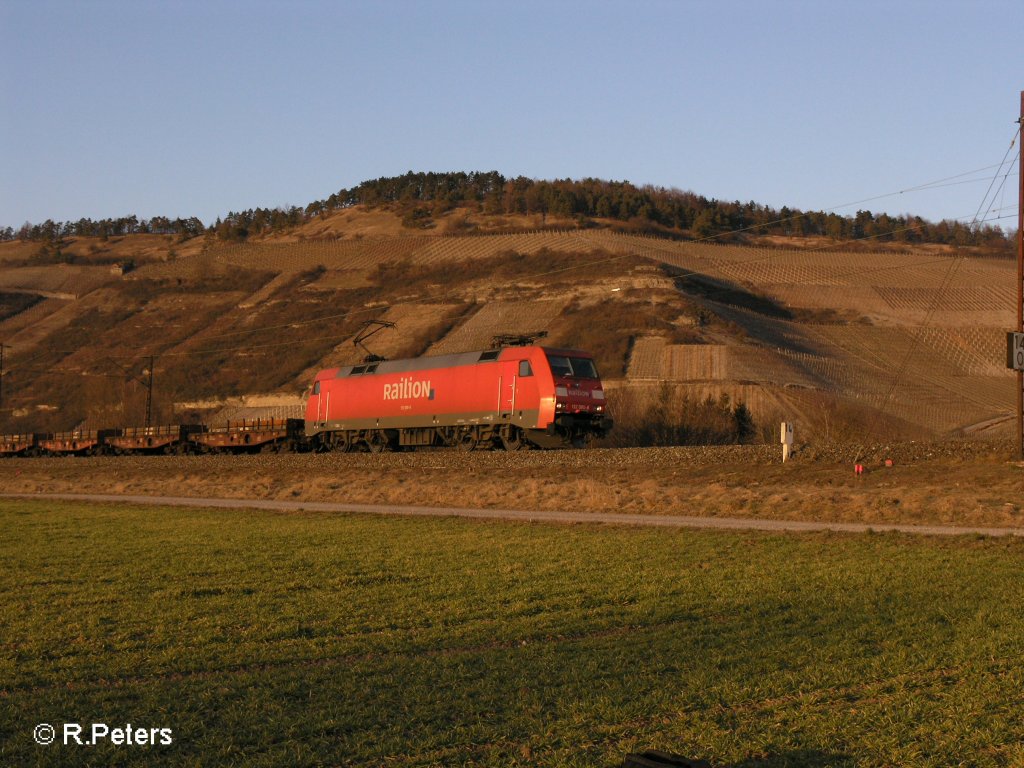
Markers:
point(386, 221)
point(548, 267)
point(972, 487)
point(670, 416)
point(92, 251)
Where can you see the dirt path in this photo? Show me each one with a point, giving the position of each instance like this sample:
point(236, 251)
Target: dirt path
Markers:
point(604, 518)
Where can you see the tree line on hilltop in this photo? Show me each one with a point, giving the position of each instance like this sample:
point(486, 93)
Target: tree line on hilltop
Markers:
point(54, 231)
point(421, 196)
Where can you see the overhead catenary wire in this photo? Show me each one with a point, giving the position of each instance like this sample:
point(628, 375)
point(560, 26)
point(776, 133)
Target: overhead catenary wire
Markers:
point(984, 200)
point(951, 271)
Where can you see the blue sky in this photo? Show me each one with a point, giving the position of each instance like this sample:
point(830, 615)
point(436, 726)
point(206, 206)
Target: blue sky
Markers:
point(198, 108)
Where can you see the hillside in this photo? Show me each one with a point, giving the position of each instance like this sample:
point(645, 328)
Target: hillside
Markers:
point(902, 343)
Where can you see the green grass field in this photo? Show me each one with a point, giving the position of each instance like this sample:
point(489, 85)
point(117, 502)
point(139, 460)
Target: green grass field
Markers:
point(305, 639)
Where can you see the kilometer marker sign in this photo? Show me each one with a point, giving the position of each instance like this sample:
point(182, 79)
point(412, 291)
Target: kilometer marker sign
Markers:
point(1015, 351)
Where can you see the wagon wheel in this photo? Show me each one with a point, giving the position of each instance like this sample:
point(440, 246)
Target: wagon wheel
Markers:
point(512, 440)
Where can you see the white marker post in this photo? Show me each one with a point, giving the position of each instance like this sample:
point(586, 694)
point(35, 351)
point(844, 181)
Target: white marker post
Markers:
point(787, 440)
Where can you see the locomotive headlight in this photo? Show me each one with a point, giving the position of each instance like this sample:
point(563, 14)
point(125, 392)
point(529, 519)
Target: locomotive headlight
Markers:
point(599, 408)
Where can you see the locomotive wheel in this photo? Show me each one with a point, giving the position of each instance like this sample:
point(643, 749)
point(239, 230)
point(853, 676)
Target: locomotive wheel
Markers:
point(580, 441)
point(377, 442)
point(342, 442)
point(467, 441)
point(512, 440)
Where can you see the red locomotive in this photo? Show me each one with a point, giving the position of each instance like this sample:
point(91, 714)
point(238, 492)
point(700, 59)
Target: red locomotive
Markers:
point(511, 397)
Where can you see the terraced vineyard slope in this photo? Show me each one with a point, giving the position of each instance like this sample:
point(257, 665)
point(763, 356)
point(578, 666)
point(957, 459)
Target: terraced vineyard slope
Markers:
point(901, 344)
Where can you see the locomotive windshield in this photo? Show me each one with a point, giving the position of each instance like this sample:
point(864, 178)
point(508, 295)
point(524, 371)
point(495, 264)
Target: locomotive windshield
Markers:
point(578, 367)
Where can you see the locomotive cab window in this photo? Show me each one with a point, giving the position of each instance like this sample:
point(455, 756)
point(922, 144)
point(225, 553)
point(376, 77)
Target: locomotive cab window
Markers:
point(316, 387)
point(583, 367)
point(576, 367)
point(525, 369)
point(559, 365)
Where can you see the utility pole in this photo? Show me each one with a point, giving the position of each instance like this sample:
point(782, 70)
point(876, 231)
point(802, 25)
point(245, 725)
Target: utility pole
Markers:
point(1020, 275)
point(149, 394)
point(2, 347)
point(145, 379)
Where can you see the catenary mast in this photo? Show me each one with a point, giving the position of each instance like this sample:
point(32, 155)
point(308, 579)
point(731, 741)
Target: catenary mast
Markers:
point(1020, 275)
